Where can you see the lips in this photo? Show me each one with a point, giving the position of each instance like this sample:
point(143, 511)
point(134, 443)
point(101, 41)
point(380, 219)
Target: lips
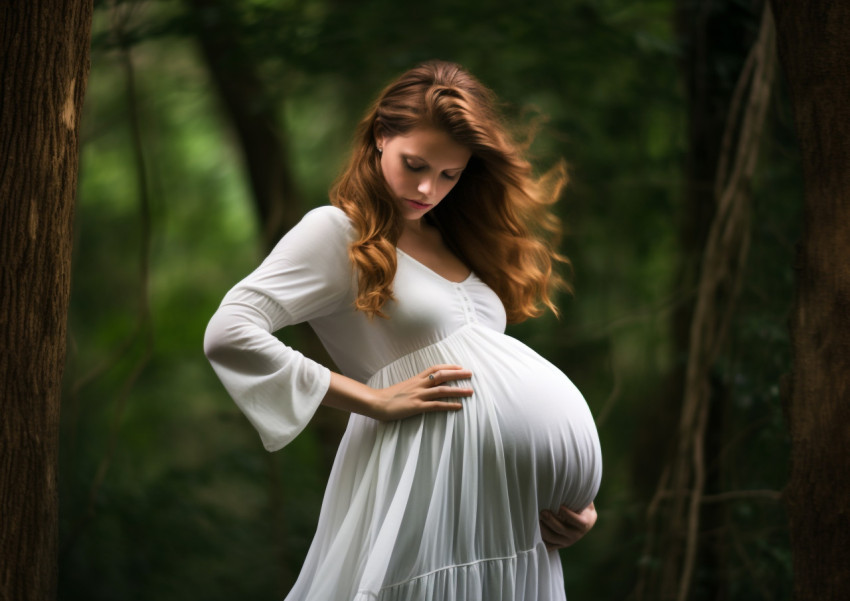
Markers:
point(417, 205)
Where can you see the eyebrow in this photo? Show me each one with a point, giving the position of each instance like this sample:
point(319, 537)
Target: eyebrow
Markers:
point(419, 158)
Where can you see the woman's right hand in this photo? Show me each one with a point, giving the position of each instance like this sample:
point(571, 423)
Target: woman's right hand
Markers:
point(423, 393)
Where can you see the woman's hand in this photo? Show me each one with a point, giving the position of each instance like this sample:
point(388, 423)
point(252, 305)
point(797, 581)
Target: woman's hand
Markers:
point(423, 393)
point(567, 528)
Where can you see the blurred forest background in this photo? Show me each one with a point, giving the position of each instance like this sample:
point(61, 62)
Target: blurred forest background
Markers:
point(211, 126)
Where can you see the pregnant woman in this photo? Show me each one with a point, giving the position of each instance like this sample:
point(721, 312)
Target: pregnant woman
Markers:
point(468, 459)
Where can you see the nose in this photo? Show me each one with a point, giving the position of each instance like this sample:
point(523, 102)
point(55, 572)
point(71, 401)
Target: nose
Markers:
point(426, 186)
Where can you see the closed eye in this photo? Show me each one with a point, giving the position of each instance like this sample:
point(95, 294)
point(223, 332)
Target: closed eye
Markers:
point(418, 168)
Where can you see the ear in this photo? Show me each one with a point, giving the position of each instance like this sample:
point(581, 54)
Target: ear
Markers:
point(379, 134)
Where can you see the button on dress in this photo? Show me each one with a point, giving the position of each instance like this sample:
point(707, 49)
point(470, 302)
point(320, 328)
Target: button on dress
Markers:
point(440, 506)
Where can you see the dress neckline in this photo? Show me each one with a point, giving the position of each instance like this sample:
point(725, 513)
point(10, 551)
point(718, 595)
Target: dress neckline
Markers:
point(434, 273)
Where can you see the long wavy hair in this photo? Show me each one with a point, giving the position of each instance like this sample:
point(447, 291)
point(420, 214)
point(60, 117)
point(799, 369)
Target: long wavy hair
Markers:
point(497, 219)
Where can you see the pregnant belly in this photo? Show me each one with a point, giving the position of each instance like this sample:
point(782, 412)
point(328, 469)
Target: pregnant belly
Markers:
point(549, 439)
point(526, 424)
point(470, 484)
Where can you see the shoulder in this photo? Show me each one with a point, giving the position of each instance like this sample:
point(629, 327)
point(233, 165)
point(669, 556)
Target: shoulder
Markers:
point(328, 219)
point(322, 231)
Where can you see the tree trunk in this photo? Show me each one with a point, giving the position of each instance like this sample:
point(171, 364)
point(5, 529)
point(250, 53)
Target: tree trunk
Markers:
point(253, 111)
point(814, 50)
point(44, 70)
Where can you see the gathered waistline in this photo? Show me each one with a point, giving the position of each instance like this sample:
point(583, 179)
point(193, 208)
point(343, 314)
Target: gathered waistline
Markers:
point(443, 340)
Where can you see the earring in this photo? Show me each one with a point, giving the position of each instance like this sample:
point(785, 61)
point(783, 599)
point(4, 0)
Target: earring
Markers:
point(380, 150)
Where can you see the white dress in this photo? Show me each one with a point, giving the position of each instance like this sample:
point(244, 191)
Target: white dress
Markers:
point(443, 506)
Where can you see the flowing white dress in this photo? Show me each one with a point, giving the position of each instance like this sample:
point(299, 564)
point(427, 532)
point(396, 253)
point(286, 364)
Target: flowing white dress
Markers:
point(443, 506)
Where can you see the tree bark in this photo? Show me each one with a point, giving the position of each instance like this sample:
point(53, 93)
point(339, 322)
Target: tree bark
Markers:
point(44, 45)
point(814, 51)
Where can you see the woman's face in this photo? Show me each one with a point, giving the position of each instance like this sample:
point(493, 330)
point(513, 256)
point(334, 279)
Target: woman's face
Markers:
point(421, 167)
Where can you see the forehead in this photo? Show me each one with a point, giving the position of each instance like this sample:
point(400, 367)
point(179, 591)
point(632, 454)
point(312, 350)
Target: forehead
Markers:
point(434, 146)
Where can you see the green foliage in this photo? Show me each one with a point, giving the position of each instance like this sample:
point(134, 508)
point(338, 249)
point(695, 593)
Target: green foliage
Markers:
point(189, 505)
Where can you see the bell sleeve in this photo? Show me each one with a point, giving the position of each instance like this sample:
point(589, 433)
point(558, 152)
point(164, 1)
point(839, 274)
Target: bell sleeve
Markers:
point(307, 275)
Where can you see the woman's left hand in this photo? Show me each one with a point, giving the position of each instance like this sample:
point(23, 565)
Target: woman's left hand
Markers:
point(567, 527)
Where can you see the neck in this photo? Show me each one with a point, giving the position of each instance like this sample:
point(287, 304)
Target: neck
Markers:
point(414, 226)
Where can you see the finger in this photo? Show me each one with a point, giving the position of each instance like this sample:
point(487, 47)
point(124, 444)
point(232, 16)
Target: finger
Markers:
point(434, 406)
point(554, 524)
point(442, 367)
point(587, 511)
point(590, 514)
point(440, 392)
point(568, 516)
point(547, 537)
point(552, 539)
point(435, 368)
point(583, 520)
point(441, 376)
point(442, 400)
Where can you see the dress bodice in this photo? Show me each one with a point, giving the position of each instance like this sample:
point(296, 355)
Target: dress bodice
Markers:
point(426, 308)
point(308, 276)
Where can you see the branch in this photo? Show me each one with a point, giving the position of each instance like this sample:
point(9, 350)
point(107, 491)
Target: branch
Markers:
point(720, 282)
point(728, 231)
point(723, 497)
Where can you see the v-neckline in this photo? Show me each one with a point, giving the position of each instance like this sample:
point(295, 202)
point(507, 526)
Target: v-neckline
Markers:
point(425, 267)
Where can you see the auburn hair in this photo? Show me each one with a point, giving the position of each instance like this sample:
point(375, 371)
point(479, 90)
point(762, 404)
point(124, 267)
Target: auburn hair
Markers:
point(497, 219)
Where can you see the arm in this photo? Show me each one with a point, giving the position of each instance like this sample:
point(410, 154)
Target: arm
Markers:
point(307, 275)
point(279, 389)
